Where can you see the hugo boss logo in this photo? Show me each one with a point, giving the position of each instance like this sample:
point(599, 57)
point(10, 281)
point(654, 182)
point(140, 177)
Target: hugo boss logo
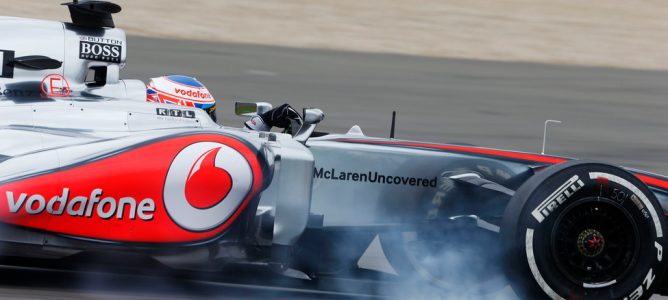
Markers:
point(100, 49)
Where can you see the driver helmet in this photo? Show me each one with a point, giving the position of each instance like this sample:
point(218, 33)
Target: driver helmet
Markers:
point(181, 90)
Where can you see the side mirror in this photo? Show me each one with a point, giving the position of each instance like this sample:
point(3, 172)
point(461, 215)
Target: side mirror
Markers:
point(313, 115)
point(251, 109)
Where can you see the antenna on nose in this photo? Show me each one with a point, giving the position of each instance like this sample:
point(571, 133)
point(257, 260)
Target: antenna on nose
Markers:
point(545, 132)
point(394, 119)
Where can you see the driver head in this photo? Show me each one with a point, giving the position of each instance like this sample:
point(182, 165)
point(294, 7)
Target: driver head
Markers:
point(181, 90)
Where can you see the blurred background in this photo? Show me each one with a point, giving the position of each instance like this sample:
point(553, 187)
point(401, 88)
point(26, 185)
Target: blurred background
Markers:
point(627, 34)
point(479, 72)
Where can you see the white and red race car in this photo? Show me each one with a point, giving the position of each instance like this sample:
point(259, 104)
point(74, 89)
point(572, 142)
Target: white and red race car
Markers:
point(87, 165)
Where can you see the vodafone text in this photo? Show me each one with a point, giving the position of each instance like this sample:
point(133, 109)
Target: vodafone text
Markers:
point(191, 93)
point(82, 206)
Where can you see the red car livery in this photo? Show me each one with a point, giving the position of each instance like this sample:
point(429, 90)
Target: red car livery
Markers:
point(180, 189)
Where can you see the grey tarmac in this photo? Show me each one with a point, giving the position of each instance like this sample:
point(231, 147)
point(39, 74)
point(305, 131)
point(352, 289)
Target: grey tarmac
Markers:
point(613, 115)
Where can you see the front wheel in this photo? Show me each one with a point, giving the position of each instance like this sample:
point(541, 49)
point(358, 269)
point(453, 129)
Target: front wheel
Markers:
point(584, 230)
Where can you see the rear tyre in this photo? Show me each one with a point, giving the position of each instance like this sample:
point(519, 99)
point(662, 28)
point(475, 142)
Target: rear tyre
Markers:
point(455, 257)
point(584, 230)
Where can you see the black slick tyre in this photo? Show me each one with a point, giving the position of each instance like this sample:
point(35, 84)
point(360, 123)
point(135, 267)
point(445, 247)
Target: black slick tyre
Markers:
point(584, 230)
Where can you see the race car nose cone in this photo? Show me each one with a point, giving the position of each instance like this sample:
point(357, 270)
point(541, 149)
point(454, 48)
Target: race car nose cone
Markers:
point(199, 190)
point(591, 243)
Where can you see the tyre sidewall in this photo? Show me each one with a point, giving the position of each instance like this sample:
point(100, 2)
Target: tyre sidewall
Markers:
point(533, 211)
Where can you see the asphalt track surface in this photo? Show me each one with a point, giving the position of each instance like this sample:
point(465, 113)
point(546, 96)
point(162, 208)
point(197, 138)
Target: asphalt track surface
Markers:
point(93, 281)
point(612, 115)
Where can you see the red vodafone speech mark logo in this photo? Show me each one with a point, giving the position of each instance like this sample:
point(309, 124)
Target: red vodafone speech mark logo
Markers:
point(200, 191)
point(55, 85)
point(200, 202)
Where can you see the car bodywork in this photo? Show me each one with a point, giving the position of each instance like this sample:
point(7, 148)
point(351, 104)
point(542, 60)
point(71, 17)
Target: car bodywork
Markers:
point(97, 168)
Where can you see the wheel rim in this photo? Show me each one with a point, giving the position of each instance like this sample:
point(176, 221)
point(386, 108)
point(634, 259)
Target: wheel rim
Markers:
point(594, 241)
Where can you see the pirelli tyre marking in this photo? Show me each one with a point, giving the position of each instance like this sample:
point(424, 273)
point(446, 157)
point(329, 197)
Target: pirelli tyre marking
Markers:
point(559, 197)
point(646, 283)
point(637, 193)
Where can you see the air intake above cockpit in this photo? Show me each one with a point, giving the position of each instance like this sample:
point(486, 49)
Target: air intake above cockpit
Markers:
point(93, 13)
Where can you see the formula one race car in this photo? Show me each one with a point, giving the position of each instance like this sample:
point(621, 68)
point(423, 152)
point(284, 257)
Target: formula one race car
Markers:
point(87, 165)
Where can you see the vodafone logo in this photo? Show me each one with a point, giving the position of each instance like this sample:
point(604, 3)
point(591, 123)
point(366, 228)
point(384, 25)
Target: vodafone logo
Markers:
point(193, 93)
point(205, 184)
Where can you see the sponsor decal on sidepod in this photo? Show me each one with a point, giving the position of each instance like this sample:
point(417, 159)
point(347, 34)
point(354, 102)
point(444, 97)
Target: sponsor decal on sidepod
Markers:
point(373, 177)
point(81, 206)
point(184, 189)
